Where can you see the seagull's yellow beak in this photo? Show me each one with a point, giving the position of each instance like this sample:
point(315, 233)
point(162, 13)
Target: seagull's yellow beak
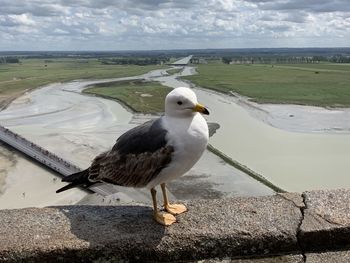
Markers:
point(200, 108)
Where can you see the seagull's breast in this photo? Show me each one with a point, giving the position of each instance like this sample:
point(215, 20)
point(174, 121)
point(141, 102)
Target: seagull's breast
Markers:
point(194, 140)
point(189, 137)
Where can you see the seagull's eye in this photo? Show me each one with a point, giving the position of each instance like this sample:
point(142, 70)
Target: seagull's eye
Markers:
point(179, 102)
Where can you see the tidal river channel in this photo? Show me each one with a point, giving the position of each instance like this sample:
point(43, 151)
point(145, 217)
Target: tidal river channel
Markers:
point(309, 151)
point(78, 127)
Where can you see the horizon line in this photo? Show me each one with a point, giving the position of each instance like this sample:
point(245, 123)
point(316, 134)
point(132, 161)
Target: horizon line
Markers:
point(177, 49)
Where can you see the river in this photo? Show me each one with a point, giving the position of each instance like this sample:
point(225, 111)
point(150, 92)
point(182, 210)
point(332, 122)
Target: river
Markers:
point(314, 157)
point(293, 154)
point(77, 127)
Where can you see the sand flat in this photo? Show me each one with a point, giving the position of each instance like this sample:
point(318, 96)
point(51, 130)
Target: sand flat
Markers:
point(77, 127)
point(294, 161)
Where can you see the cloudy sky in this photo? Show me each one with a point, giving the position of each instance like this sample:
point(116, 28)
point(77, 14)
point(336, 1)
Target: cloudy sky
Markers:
point(170, 24)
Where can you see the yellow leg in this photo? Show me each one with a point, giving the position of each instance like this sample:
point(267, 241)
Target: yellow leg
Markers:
point(165, 219)
point(174, 209)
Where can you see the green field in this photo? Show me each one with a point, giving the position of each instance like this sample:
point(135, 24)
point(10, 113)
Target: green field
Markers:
point(140, 96)
point(311, 84)
point(308, 84)
point(32, 73)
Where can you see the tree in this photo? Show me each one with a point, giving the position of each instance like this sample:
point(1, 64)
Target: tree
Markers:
point(226, 60)
point(12, 60)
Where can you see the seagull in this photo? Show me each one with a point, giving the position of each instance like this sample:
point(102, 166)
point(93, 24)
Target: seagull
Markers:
point(153, 153)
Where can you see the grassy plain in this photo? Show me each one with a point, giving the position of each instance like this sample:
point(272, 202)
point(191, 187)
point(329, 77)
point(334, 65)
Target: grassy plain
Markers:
point(32, 73)
point(140, 96)
point(307, 84)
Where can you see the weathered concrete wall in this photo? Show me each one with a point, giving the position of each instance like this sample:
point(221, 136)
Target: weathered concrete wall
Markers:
point(284, 224)
point(326, 221)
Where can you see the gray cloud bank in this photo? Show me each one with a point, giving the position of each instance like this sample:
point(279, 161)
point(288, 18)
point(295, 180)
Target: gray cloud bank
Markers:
point(155, 24)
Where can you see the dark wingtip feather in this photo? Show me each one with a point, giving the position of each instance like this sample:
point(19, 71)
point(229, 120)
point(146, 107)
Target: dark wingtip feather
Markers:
point(64, 188)
point(76, 179)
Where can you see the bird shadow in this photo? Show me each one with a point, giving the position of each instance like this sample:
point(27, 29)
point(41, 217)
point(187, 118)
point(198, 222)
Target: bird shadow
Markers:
point(213, 127)
point(120, 232)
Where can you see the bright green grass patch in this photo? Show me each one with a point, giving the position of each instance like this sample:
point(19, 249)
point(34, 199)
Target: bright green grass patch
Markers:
point(31, 73)
point(140, 96)
point(309, 84)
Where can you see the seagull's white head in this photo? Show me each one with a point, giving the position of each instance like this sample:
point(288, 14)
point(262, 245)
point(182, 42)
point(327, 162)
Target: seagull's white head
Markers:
point(182, 102)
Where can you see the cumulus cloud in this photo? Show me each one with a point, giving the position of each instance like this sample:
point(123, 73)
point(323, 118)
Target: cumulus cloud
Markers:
point(309, 5)
point(167, 24)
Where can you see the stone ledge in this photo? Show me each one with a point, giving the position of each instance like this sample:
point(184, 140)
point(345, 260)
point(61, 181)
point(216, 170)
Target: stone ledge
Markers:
point(230, 230)
point(226, 228)
point(273, 259)
point(326, 223)
point(330, 256)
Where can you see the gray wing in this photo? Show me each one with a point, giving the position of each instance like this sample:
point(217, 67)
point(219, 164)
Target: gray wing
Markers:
point(137, 157)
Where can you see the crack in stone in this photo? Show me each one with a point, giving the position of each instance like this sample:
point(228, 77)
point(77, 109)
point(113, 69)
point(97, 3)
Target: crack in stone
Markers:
point(328, 220)
point(302, 210)
point(285, 197)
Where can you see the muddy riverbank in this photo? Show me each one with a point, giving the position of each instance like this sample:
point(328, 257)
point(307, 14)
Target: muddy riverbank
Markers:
point(311, 158)
point(78, 127)
point(283, 146)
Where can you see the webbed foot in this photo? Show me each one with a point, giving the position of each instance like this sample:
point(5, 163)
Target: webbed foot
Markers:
point(175, 209)
point(164, 219)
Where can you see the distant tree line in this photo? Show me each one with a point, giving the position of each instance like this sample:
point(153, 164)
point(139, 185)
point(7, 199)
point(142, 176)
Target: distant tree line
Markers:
point(207, 54)
point(134, 61)
point(340, 59)
point(4, 60)
point(284, 59)
point(227, 60)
